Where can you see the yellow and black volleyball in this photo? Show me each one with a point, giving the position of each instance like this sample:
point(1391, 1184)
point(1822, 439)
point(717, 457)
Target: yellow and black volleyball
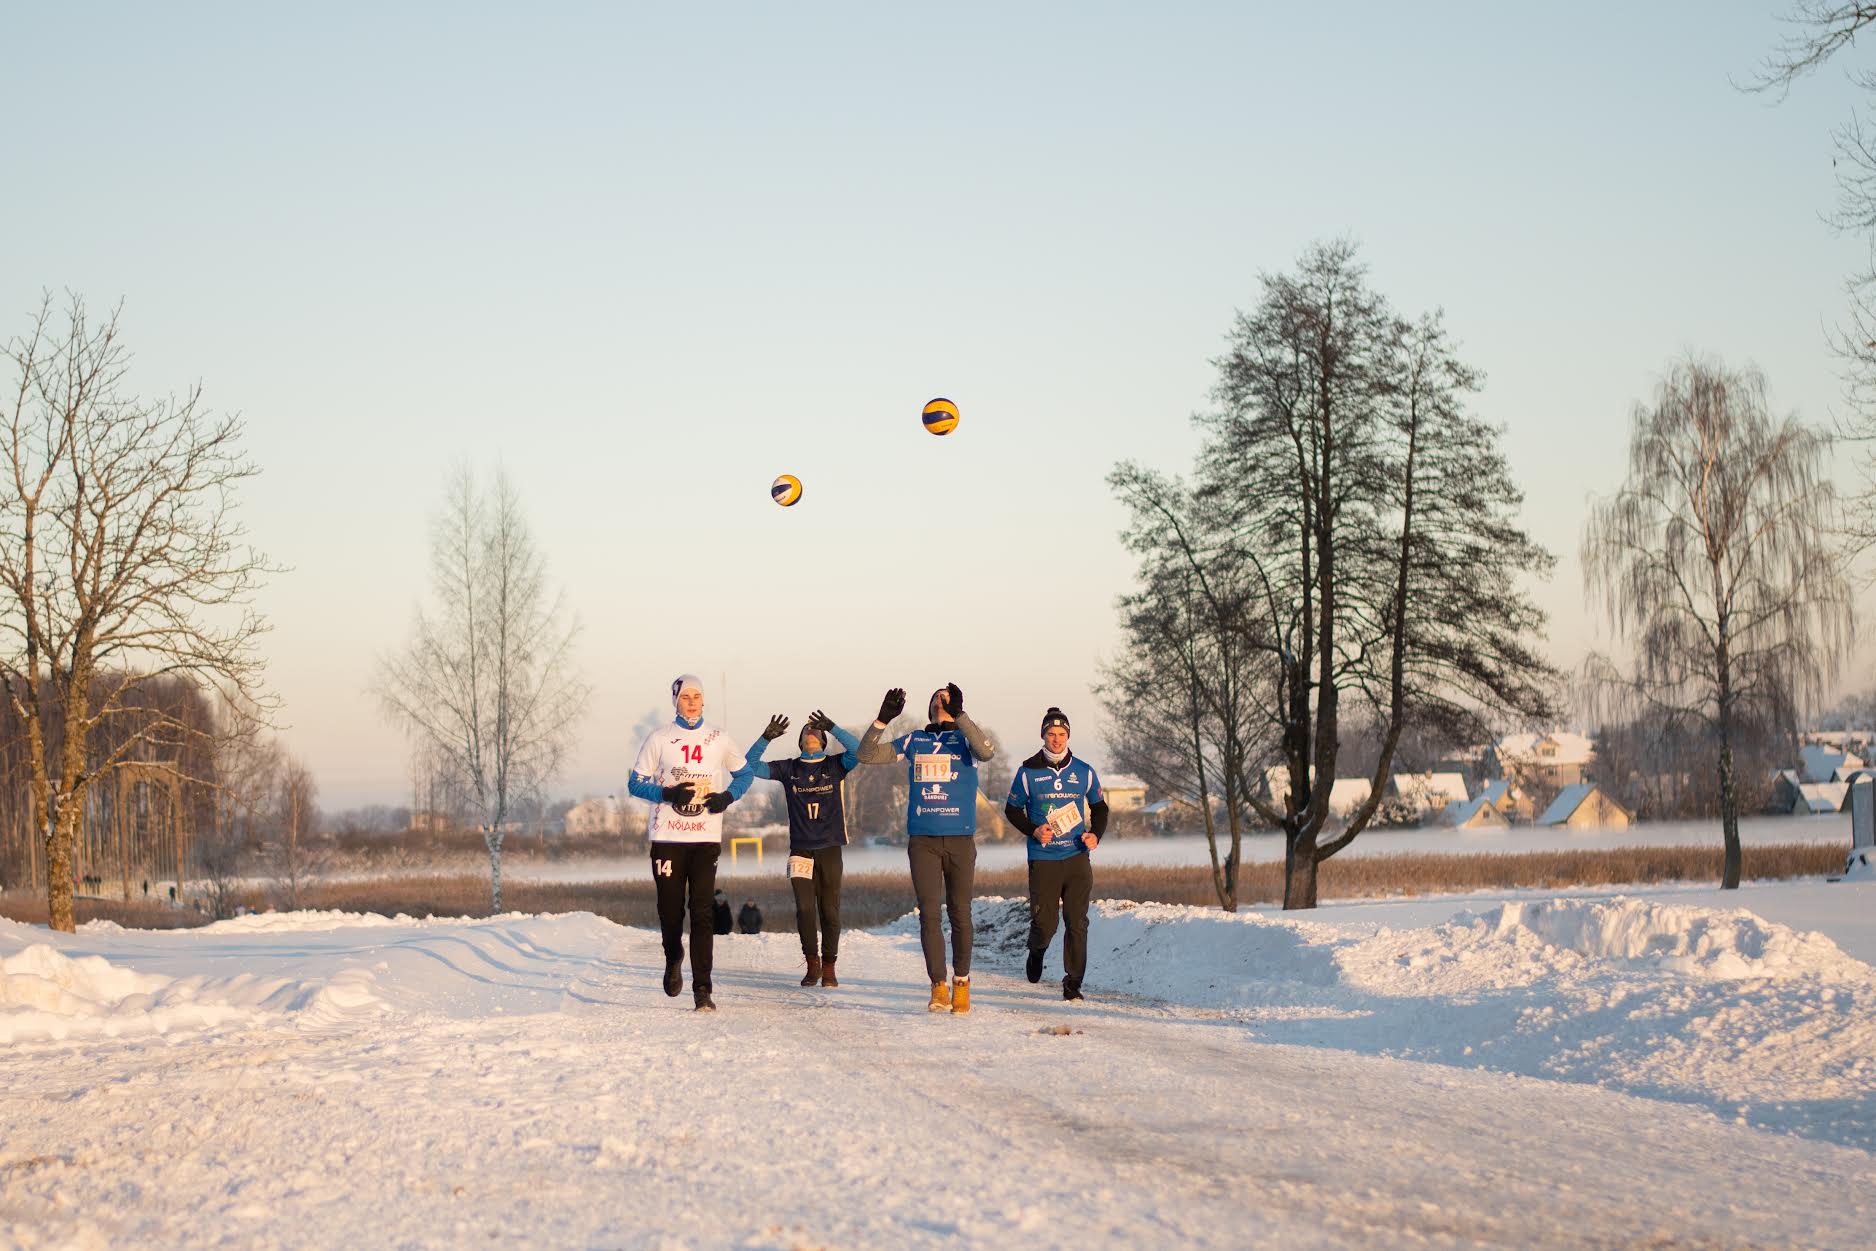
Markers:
point(785, 490)
point(941, 416)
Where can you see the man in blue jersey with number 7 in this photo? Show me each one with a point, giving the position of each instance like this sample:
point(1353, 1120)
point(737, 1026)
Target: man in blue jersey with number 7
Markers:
point(941, 824)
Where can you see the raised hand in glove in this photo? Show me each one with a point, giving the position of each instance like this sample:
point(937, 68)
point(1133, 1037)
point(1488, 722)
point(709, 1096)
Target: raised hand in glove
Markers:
point(681, 794)
point(892, 705)
point(954, 699)
point(820, 723)
point(777, 724)
point(718, 801)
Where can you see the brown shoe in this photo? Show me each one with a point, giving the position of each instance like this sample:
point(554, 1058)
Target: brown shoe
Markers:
point(961, 996)
point(827, 973)
point(940, 997)
point(814, 972)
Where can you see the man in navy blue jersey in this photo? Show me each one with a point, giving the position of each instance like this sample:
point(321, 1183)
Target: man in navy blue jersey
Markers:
point(1057, 802)
point(941, 821)
point(817, 830)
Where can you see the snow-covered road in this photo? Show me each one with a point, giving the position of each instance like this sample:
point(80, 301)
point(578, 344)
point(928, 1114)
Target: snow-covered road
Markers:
point(324, 1082)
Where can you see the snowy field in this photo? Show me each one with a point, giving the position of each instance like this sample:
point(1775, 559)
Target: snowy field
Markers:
point(1191, 849)
point(1671, 1069)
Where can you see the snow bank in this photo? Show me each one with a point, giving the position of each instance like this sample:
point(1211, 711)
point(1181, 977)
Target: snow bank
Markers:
point(45, 994)
point(1698, 942)
point(1719, 1006)
point(320, 970)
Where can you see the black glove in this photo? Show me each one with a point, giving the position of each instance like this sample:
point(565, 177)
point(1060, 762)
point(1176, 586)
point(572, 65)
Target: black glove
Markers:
point(820, 723)
point(719, 800)
point(681, 794)
point(954, 699)
point(777, 724)
point(892, 705)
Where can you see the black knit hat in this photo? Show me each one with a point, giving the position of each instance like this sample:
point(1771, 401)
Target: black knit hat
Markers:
point(1054, 716)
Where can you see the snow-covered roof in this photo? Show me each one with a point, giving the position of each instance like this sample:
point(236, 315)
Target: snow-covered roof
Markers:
point(1478, 810)
point(1821, 797)
point(1423, 788)
point(1565, 748)
point(1820, 764)
point(1495, 791)
point(1349, 794)
point(1167, 805)
point(1568, 800)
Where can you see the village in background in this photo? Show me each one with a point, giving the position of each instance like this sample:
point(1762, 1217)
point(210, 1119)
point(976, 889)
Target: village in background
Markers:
point(158, 829)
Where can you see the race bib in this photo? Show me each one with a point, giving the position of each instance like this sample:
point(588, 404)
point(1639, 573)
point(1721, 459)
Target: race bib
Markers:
point(1063, 820)
point(931, 768)
point(801, 866)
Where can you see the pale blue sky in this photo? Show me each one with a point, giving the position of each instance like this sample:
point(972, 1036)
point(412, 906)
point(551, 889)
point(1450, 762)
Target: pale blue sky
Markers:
point(648, 258)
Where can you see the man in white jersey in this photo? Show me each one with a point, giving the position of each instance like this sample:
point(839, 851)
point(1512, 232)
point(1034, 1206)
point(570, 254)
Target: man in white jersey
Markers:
point(689, 772)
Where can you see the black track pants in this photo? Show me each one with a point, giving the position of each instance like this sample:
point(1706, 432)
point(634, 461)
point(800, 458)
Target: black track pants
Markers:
point(944, 866)
point(686, 873)
point(1062, 888)
point(817, 902)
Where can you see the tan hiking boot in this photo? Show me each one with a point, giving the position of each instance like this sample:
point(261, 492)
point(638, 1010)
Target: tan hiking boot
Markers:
point(940, 998)
point(961, 996)
point(827, 973)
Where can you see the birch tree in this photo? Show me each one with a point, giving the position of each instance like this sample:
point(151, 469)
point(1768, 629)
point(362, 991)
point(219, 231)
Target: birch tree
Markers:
point(122, 567)
point(1715, 565)
point(487, 681)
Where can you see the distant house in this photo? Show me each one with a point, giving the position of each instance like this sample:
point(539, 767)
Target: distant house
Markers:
point(1816, 799)
point(1820, 763)
point(1477, 813)
point(1125, 793)
point(1345, 796)
point(1584, 807)
point(1170, 815)
point(1510, 800)
point(1427, 792)
point(422, 822)
point(595, 816)
point(1548, 761)
point(1787, 792)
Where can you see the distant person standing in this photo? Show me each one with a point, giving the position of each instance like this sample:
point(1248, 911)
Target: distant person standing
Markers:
point(817, 830)
point(941, 824)
point(1057, 802)
point(690, 772)
point(749, 920)
point(723, 920)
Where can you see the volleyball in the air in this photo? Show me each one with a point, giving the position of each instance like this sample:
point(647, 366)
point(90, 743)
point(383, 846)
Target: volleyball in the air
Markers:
point(785, 490)
point(941, 416)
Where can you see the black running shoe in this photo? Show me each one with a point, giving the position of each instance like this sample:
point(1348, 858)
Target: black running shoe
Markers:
point(674, 978)
point(1033, 970)
point(1071, 989)
point(705, 1003)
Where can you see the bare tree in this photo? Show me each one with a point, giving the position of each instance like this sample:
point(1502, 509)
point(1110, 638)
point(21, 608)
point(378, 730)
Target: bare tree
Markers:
point(1715, 566)
point(1373, 522)
point(121, 565)
point(1180, 694)
point(1818, 31)
point(487, 680)
point(295, 861)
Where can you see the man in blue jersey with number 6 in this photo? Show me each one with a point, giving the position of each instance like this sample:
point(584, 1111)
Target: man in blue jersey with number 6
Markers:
point(941, 822)
point(1057, 802)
